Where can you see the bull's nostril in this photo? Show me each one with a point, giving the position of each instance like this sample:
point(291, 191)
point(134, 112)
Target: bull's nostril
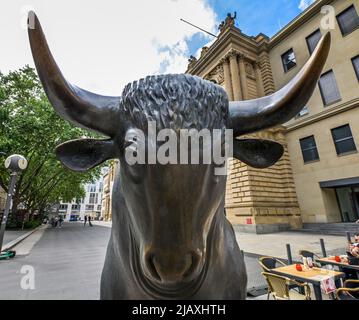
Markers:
point(192, 265)
point(151, 267)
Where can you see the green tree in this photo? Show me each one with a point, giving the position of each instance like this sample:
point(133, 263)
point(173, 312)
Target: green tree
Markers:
point(29, 126)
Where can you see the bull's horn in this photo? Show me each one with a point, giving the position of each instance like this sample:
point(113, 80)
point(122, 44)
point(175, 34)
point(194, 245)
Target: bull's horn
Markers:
point(263, 113)
point(82, 108)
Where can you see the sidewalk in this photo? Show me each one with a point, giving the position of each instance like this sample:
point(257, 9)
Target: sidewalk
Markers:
point(275, 244)
point(11, 235)
point(107, 224)
point(15, 238)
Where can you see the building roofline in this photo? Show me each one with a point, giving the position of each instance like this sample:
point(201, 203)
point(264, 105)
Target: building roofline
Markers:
point(298, 21)
point(225, 39)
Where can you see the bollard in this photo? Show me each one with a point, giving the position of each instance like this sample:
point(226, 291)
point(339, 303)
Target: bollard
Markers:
point(349, 238)
point(289, 254)
point(322, 245)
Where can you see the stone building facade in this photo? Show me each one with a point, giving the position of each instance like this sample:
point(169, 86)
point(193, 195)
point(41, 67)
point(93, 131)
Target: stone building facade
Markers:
point(108, 178)
point(327, 175)
point(256, 200)
point(292, 192)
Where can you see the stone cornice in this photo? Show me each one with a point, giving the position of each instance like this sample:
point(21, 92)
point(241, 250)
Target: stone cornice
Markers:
point(231, 37)
point(297, 22)
point(326, 113)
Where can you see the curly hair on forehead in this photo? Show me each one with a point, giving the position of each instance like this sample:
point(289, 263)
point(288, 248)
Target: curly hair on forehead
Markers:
point(176, 101)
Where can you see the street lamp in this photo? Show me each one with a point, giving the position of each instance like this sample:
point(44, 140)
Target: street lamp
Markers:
point(15, 164)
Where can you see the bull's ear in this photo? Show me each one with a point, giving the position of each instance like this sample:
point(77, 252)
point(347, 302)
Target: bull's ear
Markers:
point(257, 153)
point(85, 154)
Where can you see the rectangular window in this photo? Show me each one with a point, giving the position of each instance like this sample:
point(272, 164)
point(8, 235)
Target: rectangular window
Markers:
point(89, 207)
point(309, 149)
point(313, 39)
point(356, 65)
point(303, 112)
point(75, 207)
point(100, 188)
point(99, 207)
point(329, 88)
point(343, 140)
point(348, 20)
point(289, 60)
point(63, 207)
point(92, 198)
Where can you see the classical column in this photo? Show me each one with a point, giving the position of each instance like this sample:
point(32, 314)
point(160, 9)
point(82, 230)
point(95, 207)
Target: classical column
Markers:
point(236, 84)
point(227, 78)
point(243, 75)
point(259, 80)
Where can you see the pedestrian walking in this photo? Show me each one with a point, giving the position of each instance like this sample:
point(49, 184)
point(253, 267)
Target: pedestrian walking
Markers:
point(56, 221)
point(61, 220)
point(90, 224)
point(85, 219)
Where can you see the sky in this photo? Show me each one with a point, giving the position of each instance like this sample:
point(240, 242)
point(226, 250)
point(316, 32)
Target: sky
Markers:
point(103, 45)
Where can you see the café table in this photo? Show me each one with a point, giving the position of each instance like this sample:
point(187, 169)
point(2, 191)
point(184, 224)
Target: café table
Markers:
point(343, 264)
point(313, 276)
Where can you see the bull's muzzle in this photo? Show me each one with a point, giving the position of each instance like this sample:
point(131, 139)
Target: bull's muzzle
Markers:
point(171, 268)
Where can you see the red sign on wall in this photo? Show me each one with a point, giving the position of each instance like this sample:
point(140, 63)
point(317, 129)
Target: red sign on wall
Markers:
point(249, 221)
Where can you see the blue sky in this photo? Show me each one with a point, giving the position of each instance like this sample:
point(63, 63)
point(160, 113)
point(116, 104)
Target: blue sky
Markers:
point(253, 16)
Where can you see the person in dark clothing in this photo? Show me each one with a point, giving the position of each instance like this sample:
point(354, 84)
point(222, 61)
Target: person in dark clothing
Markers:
point(61, 220)
point(90, 224)
point(353, 253)
point(85, 218)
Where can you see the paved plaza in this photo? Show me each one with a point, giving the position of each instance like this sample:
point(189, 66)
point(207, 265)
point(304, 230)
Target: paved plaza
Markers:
point(68, 261)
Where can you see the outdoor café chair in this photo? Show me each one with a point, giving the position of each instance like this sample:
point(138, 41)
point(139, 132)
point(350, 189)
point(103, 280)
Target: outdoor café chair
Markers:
point(312, 255)
point(280, 288)
point(269, 263)
point(350, 291)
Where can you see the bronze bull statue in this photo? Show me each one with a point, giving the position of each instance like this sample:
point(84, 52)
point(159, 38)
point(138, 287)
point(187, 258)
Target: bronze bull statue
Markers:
point(170, 238)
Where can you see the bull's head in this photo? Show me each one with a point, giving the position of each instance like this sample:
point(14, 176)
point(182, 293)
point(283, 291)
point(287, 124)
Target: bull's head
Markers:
point(171, 207)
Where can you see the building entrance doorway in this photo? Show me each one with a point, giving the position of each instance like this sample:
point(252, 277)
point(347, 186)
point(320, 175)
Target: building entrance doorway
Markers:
point(348, 200)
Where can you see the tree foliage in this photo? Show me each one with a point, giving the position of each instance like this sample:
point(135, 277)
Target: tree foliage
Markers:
point(29, 126)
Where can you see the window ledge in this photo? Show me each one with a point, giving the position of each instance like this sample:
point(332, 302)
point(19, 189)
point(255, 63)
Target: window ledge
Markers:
point(311, 162)
point(289, 70)
point(349, 33)
point(334, 102)
point(302, 116)
point(347, 153)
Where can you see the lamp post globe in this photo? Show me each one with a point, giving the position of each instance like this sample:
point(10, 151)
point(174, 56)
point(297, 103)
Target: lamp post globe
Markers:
point(16, 163)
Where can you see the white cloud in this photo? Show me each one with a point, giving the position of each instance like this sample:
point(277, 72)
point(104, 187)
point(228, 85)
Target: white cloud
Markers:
point(103, 45)
point(304, 4)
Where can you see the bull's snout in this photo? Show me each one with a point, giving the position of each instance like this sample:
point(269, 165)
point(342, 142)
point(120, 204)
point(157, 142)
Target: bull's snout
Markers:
point(172, 268)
